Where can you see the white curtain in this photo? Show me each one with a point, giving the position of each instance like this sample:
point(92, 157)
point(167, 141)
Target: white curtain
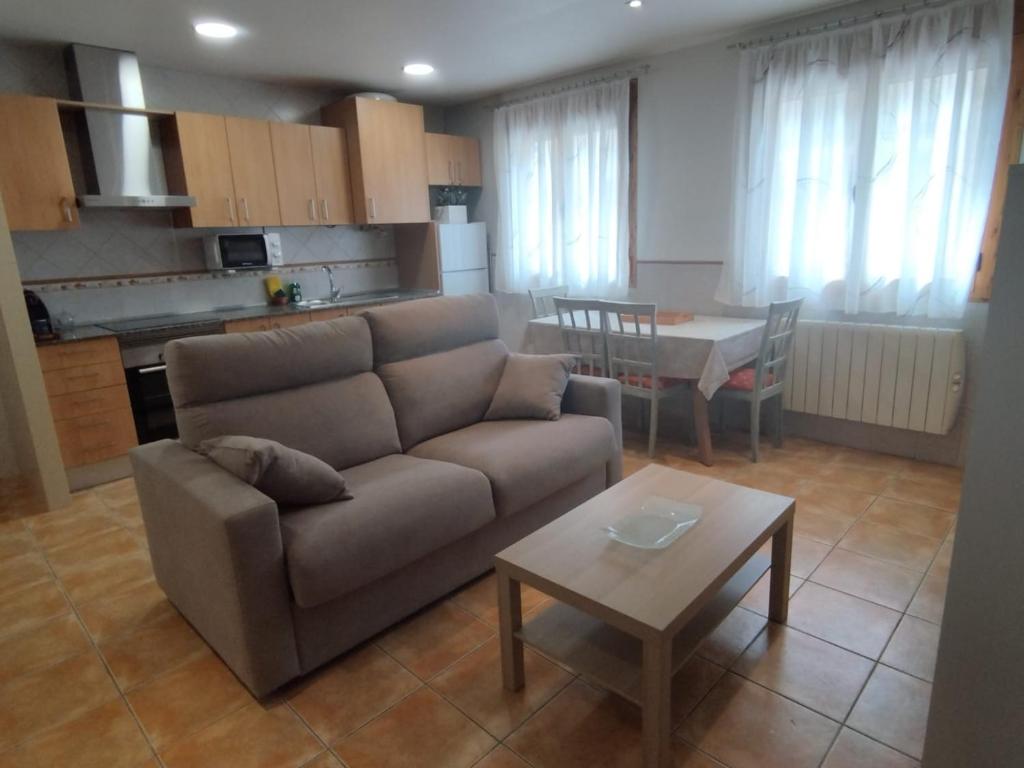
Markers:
point(865, 159)
point(562, 168)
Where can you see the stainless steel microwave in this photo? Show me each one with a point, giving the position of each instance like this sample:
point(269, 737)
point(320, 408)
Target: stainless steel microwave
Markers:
point(243, 251)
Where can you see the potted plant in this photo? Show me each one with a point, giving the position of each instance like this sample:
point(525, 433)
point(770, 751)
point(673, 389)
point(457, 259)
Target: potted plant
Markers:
point(450, 205)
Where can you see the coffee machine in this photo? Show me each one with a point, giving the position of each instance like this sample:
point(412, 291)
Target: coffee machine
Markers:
point(39, 317)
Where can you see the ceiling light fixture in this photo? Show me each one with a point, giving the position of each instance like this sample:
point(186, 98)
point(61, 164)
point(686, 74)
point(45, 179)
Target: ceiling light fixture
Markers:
point(635, 3)
point(216, 29)
point(418, 70)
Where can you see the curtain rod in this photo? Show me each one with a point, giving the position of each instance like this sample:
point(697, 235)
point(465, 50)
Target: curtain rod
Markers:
point(848, 21)
point(621, 74)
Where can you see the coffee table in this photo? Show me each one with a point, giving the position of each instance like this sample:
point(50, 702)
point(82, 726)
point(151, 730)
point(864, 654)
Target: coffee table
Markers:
point(629, 618)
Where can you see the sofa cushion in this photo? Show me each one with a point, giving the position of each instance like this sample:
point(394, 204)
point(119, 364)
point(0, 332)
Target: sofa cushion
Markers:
point(527, 461)
point(403, 509)
point(531, 387)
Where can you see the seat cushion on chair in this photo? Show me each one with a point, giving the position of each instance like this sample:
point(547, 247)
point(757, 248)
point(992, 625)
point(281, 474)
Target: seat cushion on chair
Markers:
point(743, 378)
point(527, 461)
point(664, 382)
point(403, 509)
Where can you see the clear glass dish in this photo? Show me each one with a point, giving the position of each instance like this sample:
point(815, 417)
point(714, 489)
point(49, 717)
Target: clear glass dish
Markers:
point(659, 522)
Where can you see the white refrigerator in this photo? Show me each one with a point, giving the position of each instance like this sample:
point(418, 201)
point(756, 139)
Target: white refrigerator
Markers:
point(462, 249)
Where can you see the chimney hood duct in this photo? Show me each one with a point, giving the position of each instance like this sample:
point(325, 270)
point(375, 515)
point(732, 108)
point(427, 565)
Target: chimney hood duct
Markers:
point(124, 164)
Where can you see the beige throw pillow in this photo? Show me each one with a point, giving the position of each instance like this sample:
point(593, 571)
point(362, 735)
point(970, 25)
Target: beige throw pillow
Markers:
point(288, 476)
point(531, 387)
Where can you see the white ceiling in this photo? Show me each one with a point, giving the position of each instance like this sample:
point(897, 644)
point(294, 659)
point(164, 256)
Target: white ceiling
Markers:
point(477, 46)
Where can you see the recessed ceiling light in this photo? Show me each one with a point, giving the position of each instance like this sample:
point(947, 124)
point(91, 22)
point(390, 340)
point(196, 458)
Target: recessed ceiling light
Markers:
point(217, 29)
point(635, 3)
point(417, 69)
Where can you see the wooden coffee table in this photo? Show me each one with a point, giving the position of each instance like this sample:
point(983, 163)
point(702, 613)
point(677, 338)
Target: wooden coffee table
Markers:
point(629, 618)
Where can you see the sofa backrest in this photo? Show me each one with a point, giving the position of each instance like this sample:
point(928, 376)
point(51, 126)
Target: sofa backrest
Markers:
point(311, 388)
point(440, 360)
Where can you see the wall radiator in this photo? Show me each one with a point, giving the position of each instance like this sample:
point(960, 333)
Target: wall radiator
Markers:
point(894, 376)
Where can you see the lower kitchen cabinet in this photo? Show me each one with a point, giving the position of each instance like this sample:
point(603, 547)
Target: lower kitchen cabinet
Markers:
point(266, 323)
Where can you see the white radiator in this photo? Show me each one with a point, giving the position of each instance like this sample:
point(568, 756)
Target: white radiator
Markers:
point(894, 376)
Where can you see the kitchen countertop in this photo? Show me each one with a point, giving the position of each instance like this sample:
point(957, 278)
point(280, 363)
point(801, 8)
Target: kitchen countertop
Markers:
point(94, 331)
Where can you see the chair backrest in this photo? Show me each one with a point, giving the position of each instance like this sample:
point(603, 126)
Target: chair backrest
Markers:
point(772, 366)
point(631, 331)
point(543, 299)
point(582, 324)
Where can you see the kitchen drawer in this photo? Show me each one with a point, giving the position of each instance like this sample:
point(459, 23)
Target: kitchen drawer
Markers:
point(288, 321)
point(83, 377)
point(90, 402)
point(249, 324)
point(329, 314)
point(97, 437)
point(75, 353)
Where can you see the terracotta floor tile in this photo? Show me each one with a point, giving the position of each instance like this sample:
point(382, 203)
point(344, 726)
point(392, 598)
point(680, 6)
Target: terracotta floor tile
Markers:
point(30, 607)
point(747, 726)
point(834, 499)
point(351, 691)
point(930, 599)
point(23, 571)
point(481, 599)
point(59, 528)
point(149, 650)
point(127, 514)
point(187, 699)
point(913, 648)
point(691, 684)
point(820, 526)
point(847, 621)
point(41, 647)
point(31, 703)
point(75, 557)
point(435, 639)
point(807, 555)
point(501, 757)
point(940, 495)
point(118, 492)
point(880, 462)
point(814, 673)
point(893, 545)
point(422, 729)
point(769, 479)
point(941, 474)
point(853, 750)
point(324, 760)
point(108, 577)
point(940, 565)
point(475, 686)
point(104, 737)
point(890, 585)
point(106, 618)
point(254, 737)
point(756, 599)
point(858, 478)
point(894, 710)
point(731, 637)
point(15, 544)
point(916, 518)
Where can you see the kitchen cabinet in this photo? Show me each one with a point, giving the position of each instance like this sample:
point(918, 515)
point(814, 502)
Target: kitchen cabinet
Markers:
point(453, 160)
point(331, 168)
point(312, 177)
point(252, 171)
point(35, 177)
point(331, 313)
point(266, 323)
point(387, 159)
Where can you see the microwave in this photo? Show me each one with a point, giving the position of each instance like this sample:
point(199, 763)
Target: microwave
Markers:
point(243, 251)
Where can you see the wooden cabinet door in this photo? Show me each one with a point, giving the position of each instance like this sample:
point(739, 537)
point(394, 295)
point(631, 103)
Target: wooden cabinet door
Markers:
point(35, 177)
point(440, 163)
point(199, 163)
point(293, 169)
point(465, 152)
point(252, 168)
point(331, 169)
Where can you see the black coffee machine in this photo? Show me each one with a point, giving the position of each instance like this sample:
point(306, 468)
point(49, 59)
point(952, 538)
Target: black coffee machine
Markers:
point(39, 317)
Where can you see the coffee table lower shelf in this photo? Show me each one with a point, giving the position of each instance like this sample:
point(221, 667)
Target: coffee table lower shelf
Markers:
point(611, 657)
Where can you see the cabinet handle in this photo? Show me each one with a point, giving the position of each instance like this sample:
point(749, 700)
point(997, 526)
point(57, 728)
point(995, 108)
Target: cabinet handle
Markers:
point(323, 209)
point(245, 208)
point(65, 207)
point(458, 170)
point(231, 209)
point(312, 209)
point(451, 172)
point(373, 208)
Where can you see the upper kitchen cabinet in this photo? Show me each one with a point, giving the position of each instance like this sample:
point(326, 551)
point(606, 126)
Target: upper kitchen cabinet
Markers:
point(252, 169)
point(35, 178)
point(453, 160)
point(387, 159)
point(311, 166)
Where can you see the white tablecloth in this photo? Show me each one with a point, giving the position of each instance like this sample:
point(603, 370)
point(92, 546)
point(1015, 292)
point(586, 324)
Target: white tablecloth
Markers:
point(704, 349)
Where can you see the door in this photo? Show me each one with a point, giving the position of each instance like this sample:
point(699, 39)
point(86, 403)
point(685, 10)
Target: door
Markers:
point(330, 168)
point(293, 169)
point(35, 177)
point(465, 152)
point(252, 168)
point(199, 156)
point(440, 166)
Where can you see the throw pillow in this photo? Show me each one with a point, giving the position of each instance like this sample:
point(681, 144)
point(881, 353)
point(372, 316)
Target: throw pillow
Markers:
point(531, 387)
point(288, 476)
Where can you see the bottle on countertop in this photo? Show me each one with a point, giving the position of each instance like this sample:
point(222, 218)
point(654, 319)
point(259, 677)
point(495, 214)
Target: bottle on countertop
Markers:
point(294, 293)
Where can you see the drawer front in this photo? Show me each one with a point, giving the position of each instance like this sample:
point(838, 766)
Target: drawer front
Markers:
point(329, 314)
point(83, 377)
point(91, 401)
point(247, 325)
point(97, 437)
point(77, 353)
point(288, 321)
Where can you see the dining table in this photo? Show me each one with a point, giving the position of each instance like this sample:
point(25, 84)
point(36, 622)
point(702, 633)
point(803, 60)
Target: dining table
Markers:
point(702, 351)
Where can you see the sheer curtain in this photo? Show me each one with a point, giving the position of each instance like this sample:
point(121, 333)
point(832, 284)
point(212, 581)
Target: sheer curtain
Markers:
point(865, 160)
point(562, 168)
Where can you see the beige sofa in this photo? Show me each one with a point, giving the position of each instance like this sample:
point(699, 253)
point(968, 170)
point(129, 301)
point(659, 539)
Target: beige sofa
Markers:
point(394, 399)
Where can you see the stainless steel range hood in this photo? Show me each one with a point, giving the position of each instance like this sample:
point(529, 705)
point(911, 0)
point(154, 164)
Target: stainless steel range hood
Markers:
point(124, 164)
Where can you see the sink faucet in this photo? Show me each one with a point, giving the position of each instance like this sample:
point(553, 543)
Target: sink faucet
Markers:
point(335, 293)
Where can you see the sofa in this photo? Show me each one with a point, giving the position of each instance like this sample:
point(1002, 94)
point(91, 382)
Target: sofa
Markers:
point(393, 399)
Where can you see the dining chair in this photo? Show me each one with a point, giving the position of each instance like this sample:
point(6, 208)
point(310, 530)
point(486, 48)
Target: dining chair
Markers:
point(766, 379)
point(543, 299)
point(581, 322)
point(631, 334)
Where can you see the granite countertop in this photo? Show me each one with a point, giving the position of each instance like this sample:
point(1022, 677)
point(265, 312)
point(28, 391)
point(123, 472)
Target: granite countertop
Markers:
point(94, 331)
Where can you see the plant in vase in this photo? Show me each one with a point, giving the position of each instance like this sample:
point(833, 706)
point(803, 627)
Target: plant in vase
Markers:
point(450, 205)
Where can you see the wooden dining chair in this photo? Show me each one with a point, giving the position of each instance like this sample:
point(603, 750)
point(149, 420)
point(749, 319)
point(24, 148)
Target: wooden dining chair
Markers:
point(631, 333)
point(581, 322)
point(543, 299)
point(766, 379)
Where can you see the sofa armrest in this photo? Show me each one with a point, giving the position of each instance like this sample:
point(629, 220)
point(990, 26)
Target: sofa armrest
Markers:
point(217, 552)
point(593, 396)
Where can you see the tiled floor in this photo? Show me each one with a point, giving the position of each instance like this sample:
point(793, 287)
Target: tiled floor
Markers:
point(98, 669)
